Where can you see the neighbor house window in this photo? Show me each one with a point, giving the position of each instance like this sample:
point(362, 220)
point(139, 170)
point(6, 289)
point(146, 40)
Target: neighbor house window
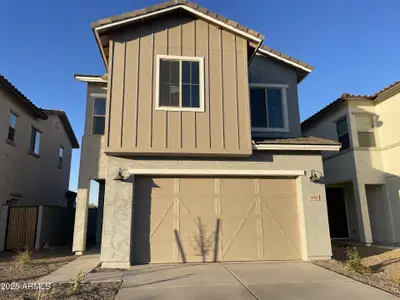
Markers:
point(365, 130)
point(268, 107)
point(343, 133)
point(99, 115)
point(35, 141)
point(11, 127)
point(180, 83)
point(60, 156)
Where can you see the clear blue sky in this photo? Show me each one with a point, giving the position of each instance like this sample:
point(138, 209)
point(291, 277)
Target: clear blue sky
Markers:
point(354, 46)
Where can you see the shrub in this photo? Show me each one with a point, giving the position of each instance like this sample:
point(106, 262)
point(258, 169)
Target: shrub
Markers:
point(78, 281)
point(354, 261)
point(24, 257)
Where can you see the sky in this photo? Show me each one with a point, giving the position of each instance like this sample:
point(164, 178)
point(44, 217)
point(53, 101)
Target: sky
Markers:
point(354, 46)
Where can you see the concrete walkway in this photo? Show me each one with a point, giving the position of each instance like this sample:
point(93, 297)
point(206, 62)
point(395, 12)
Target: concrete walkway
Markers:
point(68, 272)
point(252, 281)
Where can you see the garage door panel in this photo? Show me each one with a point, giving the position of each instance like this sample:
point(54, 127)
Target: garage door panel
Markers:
point(283, 185)
point(238, 205)
point(198, 186)
point(196, 206)
point(237, 187)
point(280, 250)
point(278, 208)
point(161, 230)
point(160, 186)
point(162, 206)
point(162, 252)
point(194, 251)
point(234, 251)
point(189, 228)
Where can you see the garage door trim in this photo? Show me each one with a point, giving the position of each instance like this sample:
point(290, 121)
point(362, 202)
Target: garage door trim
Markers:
point(209, 172)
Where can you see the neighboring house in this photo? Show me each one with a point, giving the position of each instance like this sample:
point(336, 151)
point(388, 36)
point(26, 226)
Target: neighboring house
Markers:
point(35, 153)
point(194, 136)
point(362, 179)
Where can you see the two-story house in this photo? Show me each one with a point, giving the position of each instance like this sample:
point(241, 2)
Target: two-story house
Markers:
point(194, 136)
point(35, 154)
point(363, 178)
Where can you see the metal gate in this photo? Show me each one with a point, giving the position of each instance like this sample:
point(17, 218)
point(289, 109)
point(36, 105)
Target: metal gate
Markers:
point(21, 228)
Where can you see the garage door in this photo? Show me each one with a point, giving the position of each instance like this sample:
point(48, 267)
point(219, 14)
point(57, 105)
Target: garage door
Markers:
point(214, 219)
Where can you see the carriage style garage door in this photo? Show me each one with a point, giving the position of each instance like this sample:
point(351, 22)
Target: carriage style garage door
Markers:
point(214, 219)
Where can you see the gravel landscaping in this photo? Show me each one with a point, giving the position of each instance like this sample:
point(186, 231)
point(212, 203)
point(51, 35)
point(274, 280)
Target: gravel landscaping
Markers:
point(383, 266)
point(41, 263)
point(86, 291)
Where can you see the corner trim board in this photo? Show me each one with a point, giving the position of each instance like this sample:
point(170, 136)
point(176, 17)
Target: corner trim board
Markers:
point(208, 172)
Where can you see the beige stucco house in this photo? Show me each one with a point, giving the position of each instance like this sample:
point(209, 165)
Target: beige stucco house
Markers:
point(194, 136)
point(35, 154)
point(363, 178)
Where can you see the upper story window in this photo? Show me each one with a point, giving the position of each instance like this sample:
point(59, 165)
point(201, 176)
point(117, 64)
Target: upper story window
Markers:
point(60, 156)
point(343, 133)
point(34, 147)
point(99, 115)
point(180, 84)
point(268, 105)
point(11, 127)
point(365, 130)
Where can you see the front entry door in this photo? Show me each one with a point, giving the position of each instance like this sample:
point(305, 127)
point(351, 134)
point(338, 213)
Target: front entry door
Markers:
point(337, 213)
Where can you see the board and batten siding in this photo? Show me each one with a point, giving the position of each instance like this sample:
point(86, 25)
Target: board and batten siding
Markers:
point(134, 126)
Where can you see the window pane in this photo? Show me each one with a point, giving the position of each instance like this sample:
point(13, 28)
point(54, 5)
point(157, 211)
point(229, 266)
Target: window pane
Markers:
point(195, 72)
point(174, 72)
point(165, 97)
point(196, 96)
point(365, 123)
point(164, 71)
point(98, 125)
point(13, 120)
point(60, 152)
point(275, 109)
point(174, 91)
point(186, 95)
point(100, 107)
point(366, 139)
point(11, 134)
point(186, 66)
point(35, 141)
point(341, 127)
point(345, 141)
point(258, 108)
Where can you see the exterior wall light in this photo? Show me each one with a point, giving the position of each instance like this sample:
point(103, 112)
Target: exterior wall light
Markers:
point(315, 176)
point(120, 176)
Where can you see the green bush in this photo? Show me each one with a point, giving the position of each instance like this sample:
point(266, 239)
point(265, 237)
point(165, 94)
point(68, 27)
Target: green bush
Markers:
point(354, 261)
point(24, 257)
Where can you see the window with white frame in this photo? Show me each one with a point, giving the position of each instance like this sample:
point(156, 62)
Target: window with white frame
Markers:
point(60, 156)
point(34, 146)
point(99, 115)
point(342, 131)
point(365, 130)
point(180, 83)
point(268, 105)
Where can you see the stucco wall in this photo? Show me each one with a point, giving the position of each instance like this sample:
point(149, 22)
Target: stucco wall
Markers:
point(39, 180)
point(119, 195)
point(266, 70)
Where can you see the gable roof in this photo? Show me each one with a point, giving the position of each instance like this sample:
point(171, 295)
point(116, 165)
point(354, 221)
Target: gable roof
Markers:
point(381, 95)
point(66, 124)
point(37, 111)
point(40, 112)
point(102, 26)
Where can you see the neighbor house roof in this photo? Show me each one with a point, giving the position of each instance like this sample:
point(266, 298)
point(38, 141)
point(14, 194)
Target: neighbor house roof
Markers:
point(66, 124)
point(37, 111)
point(381, 95)
point(40, 112)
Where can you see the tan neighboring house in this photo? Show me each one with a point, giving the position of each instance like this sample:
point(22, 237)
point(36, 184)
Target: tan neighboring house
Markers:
point(35, 154)
point(194, 136)
point(363, 185)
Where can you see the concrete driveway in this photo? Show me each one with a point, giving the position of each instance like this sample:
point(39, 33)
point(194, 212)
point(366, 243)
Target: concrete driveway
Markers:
point(254, 280)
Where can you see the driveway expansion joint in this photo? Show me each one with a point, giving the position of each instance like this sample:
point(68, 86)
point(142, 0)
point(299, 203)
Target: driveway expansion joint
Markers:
point(240, 281)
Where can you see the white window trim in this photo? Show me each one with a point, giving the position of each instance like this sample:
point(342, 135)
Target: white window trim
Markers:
point(201, 83)
point(283, 88)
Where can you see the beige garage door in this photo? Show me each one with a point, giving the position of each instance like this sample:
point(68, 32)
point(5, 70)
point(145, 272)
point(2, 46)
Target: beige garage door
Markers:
point(214, 219)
